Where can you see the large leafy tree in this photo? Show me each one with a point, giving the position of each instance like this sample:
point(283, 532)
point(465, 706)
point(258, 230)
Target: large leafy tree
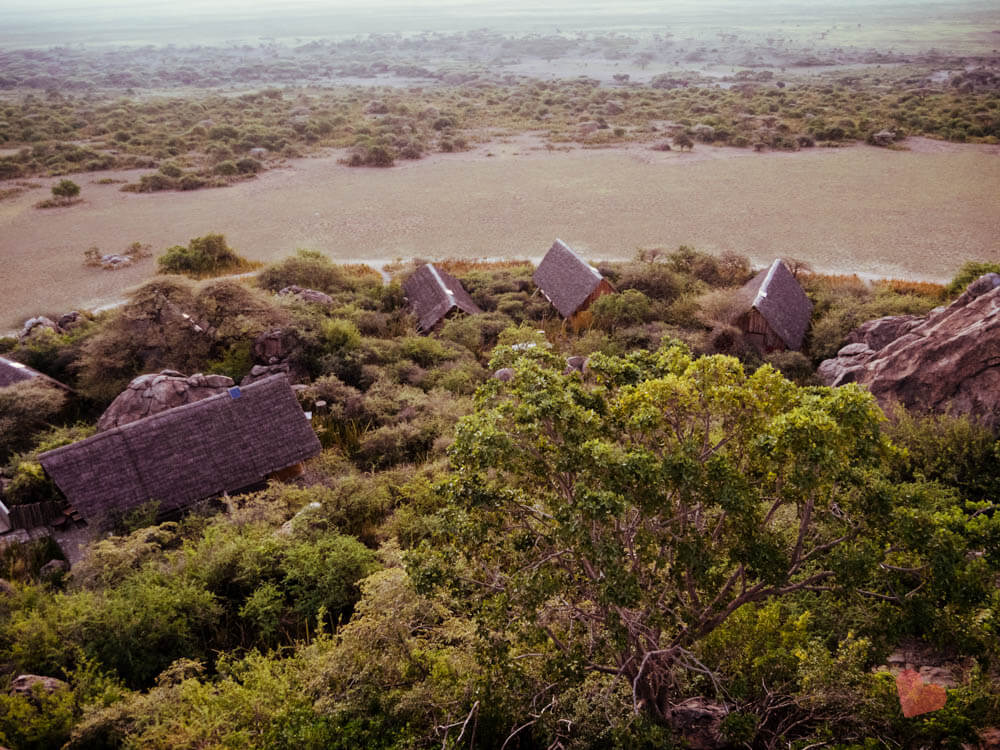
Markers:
point(616, 525)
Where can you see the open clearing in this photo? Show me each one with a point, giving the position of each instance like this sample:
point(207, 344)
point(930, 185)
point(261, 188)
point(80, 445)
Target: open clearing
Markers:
point(912, 214)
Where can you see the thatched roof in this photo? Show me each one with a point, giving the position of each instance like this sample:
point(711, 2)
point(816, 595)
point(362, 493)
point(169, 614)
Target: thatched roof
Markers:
point(433, 294)
point(14, 372)
point(219, 444)
point(777, 296)
point(566, 279)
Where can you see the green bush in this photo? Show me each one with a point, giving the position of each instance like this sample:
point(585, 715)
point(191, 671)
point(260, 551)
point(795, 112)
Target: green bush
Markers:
point(204, 256)
point(969, 272)
point(26, 408)
point(308, 269)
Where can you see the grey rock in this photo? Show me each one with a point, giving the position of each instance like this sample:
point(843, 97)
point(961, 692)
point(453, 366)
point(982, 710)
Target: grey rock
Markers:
point(948, 361)
point(506, 374)
point(154, 393)
point(307, 295)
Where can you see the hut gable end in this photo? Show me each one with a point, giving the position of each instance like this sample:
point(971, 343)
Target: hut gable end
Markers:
point(433, 294)
point(568, 281)
point(776, 307)
point(219, 444)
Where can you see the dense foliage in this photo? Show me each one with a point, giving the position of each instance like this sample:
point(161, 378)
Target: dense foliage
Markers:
point(555, 560)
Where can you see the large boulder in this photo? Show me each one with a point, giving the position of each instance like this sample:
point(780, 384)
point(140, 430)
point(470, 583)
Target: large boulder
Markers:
point(152, 394)
point(948, 360)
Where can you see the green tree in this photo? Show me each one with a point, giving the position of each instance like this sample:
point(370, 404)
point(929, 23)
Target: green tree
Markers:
point(620, 525)
point(65, 190)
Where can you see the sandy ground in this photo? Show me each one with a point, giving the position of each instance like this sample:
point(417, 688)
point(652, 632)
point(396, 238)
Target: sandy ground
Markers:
point(912, 214)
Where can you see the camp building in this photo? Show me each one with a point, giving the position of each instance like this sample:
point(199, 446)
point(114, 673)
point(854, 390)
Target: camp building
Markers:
point(775, 310)
point(568, 281)
point(223, 443)
point(433, 295)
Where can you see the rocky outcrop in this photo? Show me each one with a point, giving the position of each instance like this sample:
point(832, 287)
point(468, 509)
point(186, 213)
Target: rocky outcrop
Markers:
point(947, 360)
point(152, 394)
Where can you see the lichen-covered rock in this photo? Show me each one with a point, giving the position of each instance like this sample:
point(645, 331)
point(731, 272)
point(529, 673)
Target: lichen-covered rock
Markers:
point(946, 361)
point(155, 393)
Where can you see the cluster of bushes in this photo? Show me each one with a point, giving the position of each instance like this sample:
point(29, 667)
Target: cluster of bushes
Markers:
point(349, 610)
point(213, 140)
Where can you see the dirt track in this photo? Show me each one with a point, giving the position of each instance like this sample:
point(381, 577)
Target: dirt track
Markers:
point(916, 214)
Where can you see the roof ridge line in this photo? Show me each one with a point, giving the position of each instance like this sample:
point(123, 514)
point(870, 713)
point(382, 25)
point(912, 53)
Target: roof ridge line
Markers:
point(440, 281)
point(762, 290)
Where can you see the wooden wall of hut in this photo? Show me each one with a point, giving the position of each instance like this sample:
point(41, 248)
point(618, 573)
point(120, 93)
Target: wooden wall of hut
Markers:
point(759, 333)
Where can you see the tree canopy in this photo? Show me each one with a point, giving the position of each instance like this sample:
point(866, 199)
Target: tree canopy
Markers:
point(614, 526)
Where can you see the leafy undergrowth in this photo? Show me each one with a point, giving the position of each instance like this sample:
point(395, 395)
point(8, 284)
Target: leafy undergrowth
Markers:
point(552, 560)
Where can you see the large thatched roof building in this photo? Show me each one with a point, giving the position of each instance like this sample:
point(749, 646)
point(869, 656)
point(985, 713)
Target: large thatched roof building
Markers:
point(223, 443)
point(568, 281)
point(776, 310)
point(434, 294)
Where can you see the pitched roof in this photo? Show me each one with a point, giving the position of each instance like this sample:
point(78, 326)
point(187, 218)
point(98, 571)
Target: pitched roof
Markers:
point(12, 372)
point(432, 294)
point(776, 294)
point(565, 278)
point(218, 444)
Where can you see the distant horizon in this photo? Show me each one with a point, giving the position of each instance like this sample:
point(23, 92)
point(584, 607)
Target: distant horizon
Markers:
point(57, 22)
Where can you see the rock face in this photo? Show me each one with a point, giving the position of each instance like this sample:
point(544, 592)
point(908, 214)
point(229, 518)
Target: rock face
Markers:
point(949, 359)
point(152, 394)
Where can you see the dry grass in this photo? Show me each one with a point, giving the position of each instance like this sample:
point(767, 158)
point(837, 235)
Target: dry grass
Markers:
point(921, 288)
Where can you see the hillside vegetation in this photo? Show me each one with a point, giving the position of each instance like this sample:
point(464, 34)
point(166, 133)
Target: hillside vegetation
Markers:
point(556, 560)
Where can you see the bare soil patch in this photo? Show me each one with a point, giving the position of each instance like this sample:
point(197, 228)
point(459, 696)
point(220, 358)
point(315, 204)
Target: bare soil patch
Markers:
point(907, 214)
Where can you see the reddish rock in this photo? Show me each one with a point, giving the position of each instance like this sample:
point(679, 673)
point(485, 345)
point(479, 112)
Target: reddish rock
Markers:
point(948, 360)
point(152, 394)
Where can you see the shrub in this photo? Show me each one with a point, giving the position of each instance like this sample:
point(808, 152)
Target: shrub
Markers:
point(613, 311)
point(204, 256)
point(307, 268)
point(25, 409)
point(969, 272)
point(65, 190)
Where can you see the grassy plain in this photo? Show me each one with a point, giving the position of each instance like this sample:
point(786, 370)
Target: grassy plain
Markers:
point(912, 214)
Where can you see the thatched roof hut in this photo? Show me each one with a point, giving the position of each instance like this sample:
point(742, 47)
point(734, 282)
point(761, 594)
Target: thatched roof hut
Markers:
point(777, 310)
point(434, 294)
point(568, 281)
point(223, 443)
point(12, 372)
